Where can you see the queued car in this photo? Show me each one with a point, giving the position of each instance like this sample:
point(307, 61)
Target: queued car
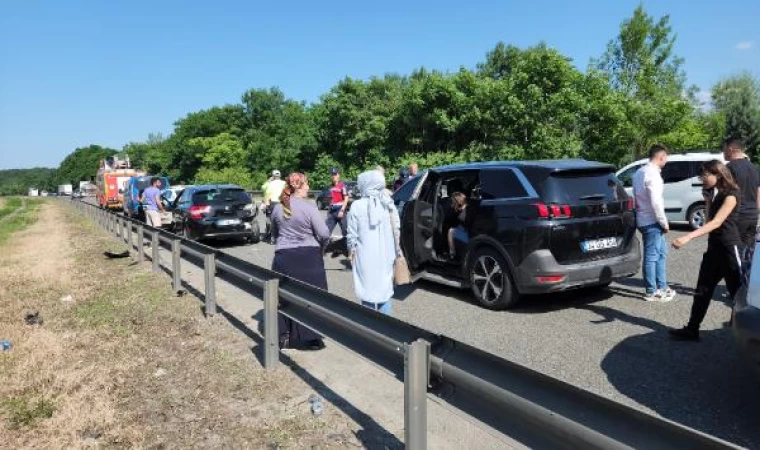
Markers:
point(324, 198)
point(532, 227)
point(133, 189)
point(216, 211)
point(682, 189)
point(746, 316)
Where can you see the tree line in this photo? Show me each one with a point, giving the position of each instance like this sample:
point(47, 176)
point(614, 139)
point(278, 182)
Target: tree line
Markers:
point(530, 103)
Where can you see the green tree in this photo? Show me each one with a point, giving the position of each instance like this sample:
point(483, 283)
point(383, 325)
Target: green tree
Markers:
point(641, 65)
point(353, 119)
point(640, 62)
point(82, 164)
point(278, 133)
point(737, 98)
point(18, 181)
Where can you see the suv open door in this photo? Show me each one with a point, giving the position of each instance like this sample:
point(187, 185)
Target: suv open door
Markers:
point(417, 225)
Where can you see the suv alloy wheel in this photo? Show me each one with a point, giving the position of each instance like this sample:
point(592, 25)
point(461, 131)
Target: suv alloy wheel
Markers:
point(696, 216)
point(490, 280)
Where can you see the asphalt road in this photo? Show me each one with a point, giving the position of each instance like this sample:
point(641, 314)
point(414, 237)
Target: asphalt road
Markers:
point(608, 341)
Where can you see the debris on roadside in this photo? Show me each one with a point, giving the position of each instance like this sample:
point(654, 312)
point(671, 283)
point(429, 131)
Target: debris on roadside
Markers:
point(159, 373)
point(113, 255)
point(317, 407)
point(5, 345)
point(33, 318)
point(67, 299)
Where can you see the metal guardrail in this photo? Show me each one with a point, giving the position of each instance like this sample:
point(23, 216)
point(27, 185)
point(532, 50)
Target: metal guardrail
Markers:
point(529, 407)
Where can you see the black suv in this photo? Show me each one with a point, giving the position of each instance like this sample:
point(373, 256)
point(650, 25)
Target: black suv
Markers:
point(215, 211)
point(531, 227)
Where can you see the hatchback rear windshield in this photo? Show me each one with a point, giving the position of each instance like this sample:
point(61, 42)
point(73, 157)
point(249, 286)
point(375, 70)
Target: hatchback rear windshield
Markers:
point(573, 187)
point(221, 196)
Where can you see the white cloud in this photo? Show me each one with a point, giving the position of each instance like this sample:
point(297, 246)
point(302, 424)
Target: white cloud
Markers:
point(744, 45)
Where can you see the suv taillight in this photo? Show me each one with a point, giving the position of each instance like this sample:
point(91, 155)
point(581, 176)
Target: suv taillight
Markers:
point(197, 211)
point(554, 211)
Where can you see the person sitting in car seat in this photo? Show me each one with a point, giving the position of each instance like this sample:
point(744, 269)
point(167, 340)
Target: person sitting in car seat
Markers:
point(457, 232)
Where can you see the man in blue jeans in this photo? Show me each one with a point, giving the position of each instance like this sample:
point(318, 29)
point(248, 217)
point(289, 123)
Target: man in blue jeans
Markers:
point(652, 223)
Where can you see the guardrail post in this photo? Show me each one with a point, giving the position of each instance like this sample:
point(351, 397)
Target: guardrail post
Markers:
point(155, 243)
point(129, 236)
point(140, 244)
point(209, 278)
point(416, 378)
point(271, 332)
point(176, 261)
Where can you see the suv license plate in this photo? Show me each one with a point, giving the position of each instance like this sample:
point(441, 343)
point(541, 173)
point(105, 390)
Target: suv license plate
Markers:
point(229, 222)
point(598, 244)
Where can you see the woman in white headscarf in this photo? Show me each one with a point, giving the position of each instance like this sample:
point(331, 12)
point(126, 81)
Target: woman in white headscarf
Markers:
point(373, 226)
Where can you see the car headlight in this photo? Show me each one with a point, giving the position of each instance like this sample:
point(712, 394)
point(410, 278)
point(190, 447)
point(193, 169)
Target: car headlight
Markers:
point(248, 207)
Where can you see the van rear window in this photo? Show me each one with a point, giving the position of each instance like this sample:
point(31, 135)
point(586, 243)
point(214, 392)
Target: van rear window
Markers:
point(573, 187)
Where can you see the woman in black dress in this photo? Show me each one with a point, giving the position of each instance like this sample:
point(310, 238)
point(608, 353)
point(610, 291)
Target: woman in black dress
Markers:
point(300, 232)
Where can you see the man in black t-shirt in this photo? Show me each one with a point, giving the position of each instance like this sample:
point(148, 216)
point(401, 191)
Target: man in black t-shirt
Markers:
point(747, 177)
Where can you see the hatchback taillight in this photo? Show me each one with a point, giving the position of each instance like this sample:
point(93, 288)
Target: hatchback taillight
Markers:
point(198, 211)
point(554, 211)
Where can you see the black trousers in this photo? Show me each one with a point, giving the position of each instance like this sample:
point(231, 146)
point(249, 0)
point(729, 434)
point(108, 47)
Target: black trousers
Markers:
point(718, 263)
point(748, 230)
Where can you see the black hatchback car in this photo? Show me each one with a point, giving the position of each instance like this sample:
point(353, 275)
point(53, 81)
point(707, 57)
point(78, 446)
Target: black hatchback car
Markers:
point(215, 211)
point(531, 227)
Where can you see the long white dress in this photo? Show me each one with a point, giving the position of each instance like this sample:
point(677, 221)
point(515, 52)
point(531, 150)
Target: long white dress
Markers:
point(374, 247)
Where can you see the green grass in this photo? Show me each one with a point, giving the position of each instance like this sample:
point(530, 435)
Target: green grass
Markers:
point(24, 218)
point(25, 410)
point(11, 204)
point(123, 315)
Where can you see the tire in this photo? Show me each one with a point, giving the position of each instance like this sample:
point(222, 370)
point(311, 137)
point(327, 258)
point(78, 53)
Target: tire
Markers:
point(186, 233)
point(255, 236)
point(490, 280)
point(696, 216)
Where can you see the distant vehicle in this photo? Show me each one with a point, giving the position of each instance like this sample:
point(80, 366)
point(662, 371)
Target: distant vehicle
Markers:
point(65, 189)
point(746, 316)
point(214, 211)
point(44, 194)
point(531, 227)
point(33, 192)
point(325, 197)
point(683, 187)
point(111, 181)
point(132, 191)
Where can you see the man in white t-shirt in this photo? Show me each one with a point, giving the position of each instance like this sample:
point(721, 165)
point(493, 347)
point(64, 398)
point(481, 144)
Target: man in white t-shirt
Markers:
point(653, 224)
point(272, 191)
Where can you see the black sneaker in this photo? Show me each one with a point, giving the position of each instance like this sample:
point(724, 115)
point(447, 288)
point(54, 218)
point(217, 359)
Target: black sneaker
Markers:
point(684, 334)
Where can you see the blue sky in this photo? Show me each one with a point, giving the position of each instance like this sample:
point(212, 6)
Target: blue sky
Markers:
point(79, 72)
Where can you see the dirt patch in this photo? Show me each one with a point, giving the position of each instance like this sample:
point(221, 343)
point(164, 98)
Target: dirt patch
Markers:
point(118, 361)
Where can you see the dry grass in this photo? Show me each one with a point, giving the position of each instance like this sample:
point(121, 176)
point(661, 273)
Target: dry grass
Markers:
point(126, 364)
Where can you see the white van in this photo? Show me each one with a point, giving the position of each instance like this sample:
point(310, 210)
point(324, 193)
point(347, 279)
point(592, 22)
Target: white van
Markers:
point(683, 188)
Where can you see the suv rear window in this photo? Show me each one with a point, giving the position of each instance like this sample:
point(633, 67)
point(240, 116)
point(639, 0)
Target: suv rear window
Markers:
point(501, 184)
point(221, 196)
point(573, 187)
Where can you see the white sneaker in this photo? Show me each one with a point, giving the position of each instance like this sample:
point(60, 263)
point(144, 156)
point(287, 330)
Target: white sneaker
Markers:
point(656, 296)
point(669, 294)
